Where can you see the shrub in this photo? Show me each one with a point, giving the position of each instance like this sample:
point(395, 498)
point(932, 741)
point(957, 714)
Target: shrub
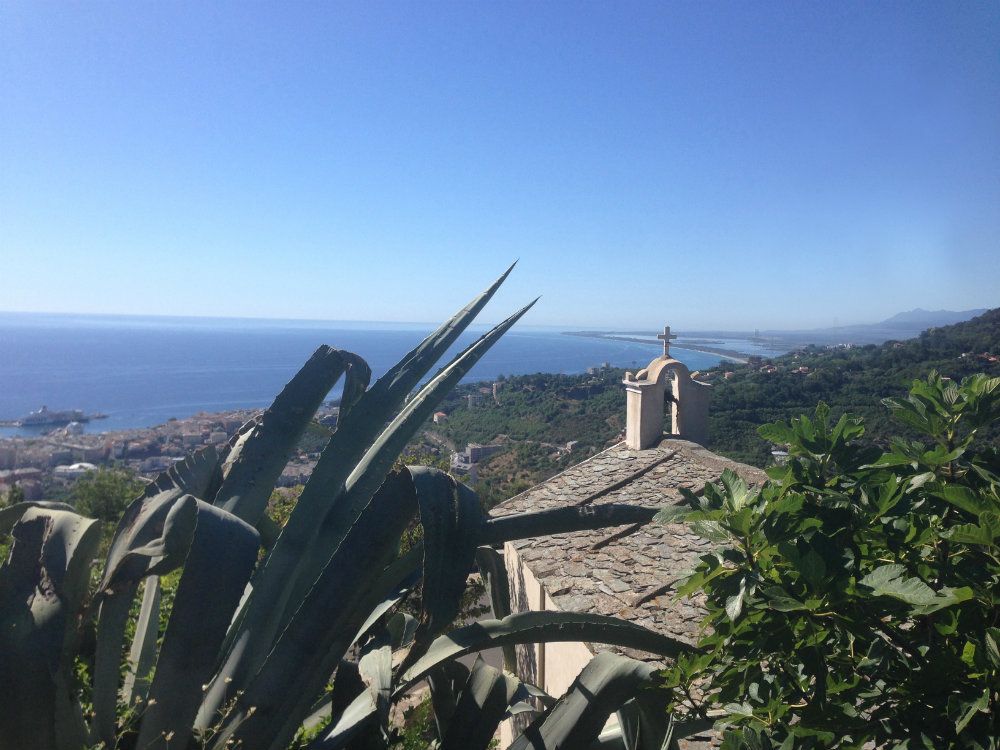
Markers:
point(105, 493)
point(853, 601)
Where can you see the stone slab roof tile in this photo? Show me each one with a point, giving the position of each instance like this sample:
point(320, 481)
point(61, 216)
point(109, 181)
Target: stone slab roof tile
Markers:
point(624, 571)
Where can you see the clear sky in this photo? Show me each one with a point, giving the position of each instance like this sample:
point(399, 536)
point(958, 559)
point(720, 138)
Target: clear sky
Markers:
point(708, 164)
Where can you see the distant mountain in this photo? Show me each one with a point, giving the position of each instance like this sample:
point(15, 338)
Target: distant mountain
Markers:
point(904, 325)
point(930, 318)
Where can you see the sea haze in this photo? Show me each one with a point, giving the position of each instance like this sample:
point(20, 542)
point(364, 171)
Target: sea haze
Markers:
point(142, 371)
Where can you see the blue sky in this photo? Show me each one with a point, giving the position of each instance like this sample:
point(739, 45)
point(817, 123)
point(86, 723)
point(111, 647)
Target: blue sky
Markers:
point(709, 164)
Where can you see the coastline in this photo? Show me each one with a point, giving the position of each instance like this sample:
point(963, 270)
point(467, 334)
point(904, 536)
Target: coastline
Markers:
point(730, 354)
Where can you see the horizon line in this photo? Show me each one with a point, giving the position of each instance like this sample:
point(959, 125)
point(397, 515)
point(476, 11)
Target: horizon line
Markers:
point(567, 327)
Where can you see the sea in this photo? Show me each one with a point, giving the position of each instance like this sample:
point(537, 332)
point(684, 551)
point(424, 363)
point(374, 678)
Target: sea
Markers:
point(141, 371)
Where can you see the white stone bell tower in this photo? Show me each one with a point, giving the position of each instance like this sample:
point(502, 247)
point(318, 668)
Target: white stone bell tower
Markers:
point(646, 401)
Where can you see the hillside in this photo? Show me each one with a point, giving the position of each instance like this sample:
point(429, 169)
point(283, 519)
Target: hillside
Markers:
point(849, 379)
point(903, 325)
point(544, 422)
point(929, 318)
point(537, 418)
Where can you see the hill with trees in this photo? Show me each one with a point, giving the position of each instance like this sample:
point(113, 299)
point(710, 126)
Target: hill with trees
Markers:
point(849, 379)
point(537, 416)
point(545, 423)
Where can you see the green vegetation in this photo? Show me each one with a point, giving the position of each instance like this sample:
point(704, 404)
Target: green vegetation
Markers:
point(848, 379)
point(543, 408)
point(855, 600)
point(534, 418)
point(105, 493)
point(13, 495)
point(538, 413)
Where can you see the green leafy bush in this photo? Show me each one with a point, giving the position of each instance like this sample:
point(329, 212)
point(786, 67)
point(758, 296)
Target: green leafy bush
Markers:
point(846, 379)
point(853, 601)
point(105, 493)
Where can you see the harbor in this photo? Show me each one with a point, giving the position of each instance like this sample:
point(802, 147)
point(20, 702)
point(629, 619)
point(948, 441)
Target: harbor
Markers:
point(46, 417)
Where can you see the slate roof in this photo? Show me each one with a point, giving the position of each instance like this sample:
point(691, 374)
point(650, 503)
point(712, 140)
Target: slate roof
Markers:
point(627, 571)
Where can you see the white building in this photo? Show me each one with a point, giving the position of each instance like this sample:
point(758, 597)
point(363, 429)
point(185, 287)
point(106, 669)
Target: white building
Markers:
point(73, 471)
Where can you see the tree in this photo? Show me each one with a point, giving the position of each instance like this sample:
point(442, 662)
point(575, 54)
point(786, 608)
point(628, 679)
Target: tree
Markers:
point(105, 493)
point(15, 494)
point(855, 600)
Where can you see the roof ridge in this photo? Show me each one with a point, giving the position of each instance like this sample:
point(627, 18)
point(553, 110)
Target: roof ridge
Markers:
point(617, 485)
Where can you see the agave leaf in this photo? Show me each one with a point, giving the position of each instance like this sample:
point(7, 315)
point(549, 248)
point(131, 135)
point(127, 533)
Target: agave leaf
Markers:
point(373, 466)
point(401, 626)
point(277, 588)
point(263, 454)
point(395, 582)
point(159, 524)
point(521, 707)
point(230, 452)
point(375, 668)
point(535, 627)
point(166, 552)
point(11, 514)
point(42, 587)
point(480, 709)
point(347, 686)
point(527, 691)
point(143, 522)
point(494, 572)
point(563, 520)
point(165, 522)
point(577, 718)
point(279, 696)
point(398, 579)
point(446, 683)
point(355, 718)
point(218, 566)
point(364, 480)
point(644, 720)
point(633, 734)
point(493, 569)
point(142, 655)
point(111, 625)
point(451, 518)
point(359, 375)
point(268, 530)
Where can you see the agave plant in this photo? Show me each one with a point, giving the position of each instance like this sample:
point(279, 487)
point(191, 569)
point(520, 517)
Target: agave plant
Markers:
point(264, 619)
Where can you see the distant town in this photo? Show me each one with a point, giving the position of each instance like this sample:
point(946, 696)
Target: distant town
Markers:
point(62, 455)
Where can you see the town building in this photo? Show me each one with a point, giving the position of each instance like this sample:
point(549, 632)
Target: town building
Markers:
point(8, 455)
point(73, 471)
point(10, 477)
point(466, 462)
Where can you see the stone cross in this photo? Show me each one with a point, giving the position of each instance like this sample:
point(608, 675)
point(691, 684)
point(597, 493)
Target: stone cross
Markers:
point(666, 337)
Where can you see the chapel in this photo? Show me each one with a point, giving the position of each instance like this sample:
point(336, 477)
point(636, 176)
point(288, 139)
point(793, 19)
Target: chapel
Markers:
point(632, 571)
